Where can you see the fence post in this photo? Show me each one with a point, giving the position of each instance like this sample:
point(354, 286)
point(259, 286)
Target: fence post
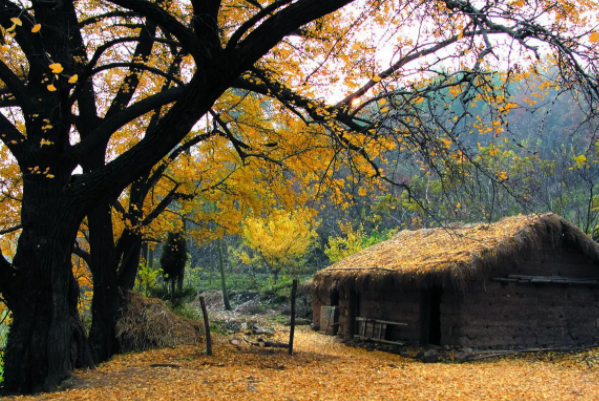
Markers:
point(207, 326)
point(292, 330)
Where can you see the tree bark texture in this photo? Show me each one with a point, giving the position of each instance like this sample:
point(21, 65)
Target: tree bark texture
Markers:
point(106, 300)
point(46, 339)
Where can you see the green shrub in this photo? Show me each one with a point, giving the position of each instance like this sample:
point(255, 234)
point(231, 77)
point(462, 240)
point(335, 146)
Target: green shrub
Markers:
point(179, 298)
point(279, 292)
point(187, 311)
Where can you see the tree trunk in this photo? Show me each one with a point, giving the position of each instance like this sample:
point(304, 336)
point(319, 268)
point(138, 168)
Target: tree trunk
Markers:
point(223, 279)
point(106, 305)
point(180, 281)
point(107, 299)
point(150, 258)
point(129, 259)
point(46, 340)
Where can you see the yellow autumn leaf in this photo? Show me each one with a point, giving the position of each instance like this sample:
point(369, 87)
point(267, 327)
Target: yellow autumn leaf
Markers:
point(36, 28)
point(51, 88)
point(376, 78)
point(594, 37)
point(73, 79)
point(16, 21)
point(580, 161)
point(56, 68)
point(50, 176)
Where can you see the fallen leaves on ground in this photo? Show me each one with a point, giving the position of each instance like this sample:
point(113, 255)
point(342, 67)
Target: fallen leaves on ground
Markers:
point(323, 369)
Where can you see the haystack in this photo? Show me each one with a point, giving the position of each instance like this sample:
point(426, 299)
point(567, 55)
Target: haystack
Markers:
point(148, 323)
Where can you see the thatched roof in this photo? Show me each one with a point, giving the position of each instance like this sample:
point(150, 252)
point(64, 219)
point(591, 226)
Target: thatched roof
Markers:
point(449, 257)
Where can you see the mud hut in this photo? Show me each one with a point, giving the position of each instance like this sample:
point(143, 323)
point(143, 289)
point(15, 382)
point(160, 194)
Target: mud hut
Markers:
point(525, 281)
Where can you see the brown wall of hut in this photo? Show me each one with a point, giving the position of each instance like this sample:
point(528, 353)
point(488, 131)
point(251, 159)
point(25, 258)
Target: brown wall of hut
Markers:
point(549, 260)
point(491, 314)
point(515, 315)
point(396, 306)
point(319, 298)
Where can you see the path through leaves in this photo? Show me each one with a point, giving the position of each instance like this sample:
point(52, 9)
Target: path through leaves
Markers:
point(323, 369)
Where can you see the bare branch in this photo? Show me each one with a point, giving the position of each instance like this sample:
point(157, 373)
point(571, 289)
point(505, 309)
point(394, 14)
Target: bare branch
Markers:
point(11, 230)
point(81, 253)
point(98, 18)
point(282, 23)
point(167, 22)
point(137, 66)
point(111, 125)
point(263, 13)
point(16, 87)
point(11, 136)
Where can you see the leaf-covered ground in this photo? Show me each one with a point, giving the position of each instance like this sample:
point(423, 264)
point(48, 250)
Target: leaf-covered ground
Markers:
point(323, 369)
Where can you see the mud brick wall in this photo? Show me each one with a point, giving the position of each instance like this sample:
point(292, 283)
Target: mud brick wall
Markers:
point(319, 298)
point(346, 314)
point(550, 261)
point(396, 306)
point(491, 314)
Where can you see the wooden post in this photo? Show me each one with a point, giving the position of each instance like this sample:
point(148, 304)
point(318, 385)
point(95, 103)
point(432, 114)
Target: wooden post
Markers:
point(292, 329)
point(207, 326)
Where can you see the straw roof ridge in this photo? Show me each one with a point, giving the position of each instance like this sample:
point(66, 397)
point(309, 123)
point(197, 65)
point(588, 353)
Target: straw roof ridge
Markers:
point(449, 257)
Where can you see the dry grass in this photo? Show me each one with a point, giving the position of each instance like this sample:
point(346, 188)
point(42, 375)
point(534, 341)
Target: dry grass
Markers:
point(324, 369)
point(148, 323)
point(449, 257)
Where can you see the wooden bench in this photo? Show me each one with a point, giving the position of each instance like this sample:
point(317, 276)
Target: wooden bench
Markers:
point(375, 330)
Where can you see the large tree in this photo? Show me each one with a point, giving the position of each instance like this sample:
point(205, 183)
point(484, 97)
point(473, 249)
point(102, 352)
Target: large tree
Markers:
point(78, 76)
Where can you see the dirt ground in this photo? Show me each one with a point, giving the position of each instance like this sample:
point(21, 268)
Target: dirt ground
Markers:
point(323, 369)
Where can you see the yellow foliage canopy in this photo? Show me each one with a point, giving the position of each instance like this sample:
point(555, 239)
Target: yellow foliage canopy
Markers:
point(280, 239)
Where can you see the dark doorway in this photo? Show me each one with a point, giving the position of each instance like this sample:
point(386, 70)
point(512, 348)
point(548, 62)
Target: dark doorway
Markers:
point(335, 298)
point(354, 312)
point(335, 311)
point(435, 317)
point(430, 316)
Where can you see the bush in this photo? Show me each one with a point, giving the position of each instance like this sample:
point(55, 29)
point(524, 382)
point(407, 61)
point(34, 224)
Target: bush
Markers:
point(187, 311)
point(279, 292)
point(177, 299)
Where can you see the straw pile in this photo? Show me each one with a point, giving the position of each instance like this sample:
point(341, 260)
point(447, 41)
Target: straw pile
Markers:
point(148, 323)
point(449, 257)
